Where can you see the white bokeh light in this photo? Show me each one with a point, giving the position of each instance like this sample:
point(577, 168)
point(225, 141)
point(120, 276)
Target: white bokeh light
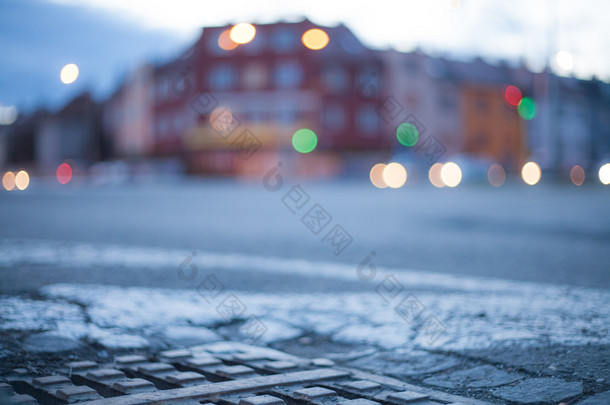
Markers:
point(69, 73)
point(604, 174)
point(565, 60)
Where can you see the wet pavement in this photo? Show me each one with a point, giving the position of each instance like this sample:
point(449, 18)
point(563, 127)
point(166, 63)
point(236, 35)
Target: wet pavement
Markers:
point(549, 234)
point(501, 299)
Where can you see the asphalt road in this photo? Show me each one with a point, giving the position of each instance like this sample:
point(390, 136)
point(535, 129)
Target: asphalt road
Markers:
point(551, 234)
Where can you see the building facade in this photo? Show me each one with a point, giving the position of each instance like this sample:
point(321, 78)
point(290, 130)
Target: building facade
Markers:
point(128, 115)
point(271, 87)
point(74, 133)
point(219, 101)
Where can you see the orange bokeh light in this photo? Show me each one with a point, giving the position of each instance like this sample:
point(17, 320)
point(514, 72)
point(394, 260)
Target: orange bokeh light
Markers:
point(376, 175)
point(315, 39)
point(435, 175)
point(225, 42)
point(8, 181)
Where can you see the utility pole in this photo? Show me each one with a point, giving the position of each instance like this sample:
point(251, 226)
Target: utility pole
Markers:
point(552, 115)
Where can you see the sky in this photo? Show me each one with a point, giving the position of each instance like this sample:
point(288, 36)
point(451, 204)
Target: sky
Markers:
point(37, 38)
point(107, 38)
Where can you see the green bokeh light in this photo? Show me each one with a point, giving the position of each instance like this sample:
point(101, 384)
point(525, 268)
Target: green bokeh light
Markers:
point(527, 108)
point(304, 140)
point(407, 134)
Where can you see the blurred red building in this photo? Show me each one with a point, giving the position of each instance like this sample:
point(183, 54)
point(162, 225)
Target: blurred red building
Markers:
point(271, 86)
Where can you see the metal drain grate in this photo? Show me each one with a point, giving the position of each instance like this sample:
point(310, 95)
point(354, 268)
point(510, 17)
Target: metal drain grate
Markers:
point(224, 373)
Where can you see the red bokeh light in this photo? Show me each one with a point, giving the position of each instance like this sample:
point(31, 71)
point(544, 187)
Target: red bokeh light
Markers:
point(512, 95)
point(64, 173)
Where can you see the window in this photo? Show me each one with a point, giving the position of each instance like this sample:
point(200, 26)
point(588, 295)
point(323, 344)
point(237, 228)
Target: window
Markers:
point(367, 120)
point(368, 83)
point(335, 79)
point(178, 123)
point(335, 117)
point(189, 118)
point(183, 83)
point(163, 88)
point(162, 126)
point(222, 77)
point(254, 76)
point(288, 74)
point(284, 40)
point(257, 45)
point(287, 117)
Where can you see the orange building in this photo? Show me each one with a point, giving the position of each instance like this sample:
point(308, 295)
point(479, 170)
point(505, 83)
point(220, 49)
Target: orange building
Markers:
point(491, 127)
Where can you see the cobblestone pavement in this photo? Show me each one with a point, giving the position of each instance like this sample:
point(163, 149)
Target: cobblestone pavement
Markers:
point(63, 371)
point(499, 342)
point(226, 373)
